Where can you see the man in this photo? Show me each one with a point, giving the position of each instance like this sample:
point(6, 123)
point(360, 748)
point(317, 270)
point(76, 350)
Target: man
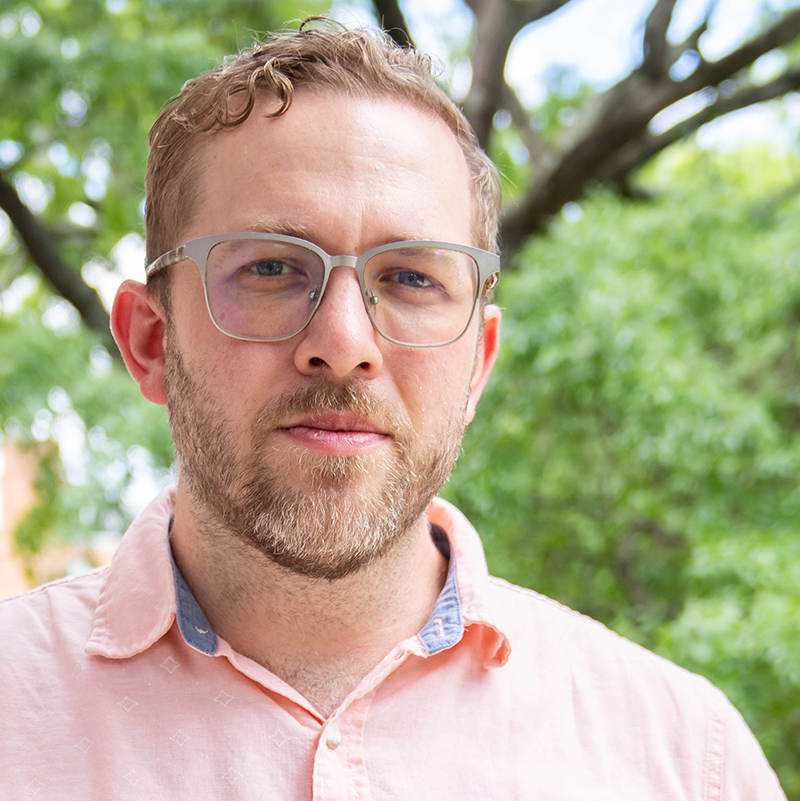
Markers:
point(300, 617)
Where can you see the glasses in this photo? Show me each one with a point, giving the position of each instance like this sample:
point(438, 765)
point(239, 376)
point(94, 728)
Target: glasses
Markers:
point(266, 287)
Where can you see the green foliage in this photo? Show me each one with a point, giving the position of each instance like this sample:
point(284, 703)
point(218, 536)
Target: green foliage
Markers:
point(83, 82)
point(553, 120)
point(59, 386)
point(80, 85)
point(637, 453)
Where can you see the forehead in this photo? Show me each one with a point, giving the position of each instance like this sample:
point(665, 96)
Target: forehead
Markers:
point(368, 169)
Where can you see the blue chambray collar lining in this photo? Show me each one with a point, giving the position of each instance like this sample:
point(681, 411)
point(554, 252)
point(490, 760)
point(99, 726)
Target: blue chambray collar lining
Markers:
point(194, 625)
point(445, 626)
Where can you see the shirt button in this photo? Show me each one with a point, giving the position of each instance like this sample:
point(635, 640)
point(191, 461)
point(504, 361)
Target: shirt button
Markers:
point(333, 736)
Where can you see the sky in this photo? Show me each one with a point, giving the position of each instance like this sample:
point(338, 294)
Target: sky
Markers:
point(600, 40)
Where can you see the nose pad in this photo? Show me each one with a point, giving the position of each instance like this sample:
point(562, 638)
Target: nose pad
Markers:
point(315, 295)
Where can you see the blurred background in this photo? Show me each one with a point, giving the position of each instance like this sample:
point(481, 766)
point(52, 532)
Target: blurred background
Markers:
point(637, 453)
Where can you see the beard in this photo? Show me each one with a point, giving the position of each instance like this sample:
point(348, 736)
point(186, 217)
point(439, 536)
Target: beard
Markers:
point(350, 511)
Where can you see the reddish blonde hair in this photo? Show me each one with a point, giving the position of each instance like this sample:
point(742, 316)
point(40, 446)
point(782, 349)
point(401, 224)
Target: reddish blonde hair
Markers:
point(361, 63)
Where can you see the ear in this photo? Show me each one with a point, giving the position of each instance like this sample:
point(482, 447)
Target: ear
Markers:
point(484, 358)
point(139, 327)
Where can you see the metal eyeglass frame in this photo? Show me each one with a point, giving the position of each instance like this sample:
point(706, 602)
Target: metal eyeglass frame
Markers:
point(197, 250)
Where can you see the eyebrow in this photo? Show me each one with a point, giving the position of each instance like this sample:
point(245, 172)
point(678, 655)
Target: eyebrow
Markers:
point(265, 225)
point(262, 225)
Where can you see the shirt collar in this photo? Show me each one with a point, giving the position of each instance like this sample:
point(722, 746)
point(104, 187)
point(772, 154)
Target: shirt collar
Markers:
point(445, 626)
point(143, 569)
point(136, 604)
point(193, 623)
point(473, 581)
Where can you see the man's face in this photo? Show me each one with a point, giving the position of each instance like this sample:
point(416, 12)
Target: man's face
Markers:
point(323, 450)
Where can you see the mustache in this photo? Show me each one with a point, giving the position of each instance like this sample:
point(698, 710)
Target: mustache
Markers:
point(325, 395)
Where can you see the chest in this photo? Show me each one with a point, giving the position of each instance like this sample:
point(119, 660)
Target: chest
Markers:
point(427, 730)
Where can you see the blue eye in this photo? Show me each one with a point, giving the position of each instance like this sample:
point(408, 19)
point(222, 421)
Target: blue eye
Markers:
point(412, 279)
point(270, 267)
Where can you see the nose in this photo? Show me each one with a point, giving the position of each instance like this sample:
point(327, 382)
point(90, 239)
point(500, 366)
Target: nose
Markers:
point(340, 339)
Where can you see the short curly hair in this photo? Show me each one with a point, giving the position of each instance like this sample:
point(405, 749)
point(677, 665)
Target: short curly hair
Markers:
point(361, 63)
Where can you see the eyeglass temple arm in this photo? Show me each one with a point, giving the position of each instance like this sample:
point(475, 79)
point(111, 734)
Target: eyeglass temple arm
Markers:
point(168, 259)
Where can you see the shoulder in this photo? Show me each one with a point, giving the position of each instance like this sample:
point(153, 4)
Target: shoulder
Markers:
point(617, 692)
point(548, 632)
point(62, 609)
point(63, 588)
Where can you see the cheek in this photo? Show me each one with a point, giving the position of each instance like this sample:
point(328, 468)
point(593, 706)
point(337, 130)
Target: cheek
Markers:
point(231, 370)
point(246, 376)
point(434, 385)
point(190, 316)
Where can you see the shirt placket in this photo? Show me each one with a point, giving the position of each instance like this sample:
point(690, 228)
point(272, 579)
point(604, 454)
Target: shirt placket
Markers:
point(339, 770)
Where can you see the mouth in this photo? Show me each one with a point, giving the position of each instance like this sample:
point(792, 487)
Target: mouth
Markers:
point(337, 433)
point(337, 421)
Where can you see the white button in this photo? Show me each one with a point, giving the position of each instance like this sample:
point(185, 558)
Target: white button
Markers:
point(333, 736)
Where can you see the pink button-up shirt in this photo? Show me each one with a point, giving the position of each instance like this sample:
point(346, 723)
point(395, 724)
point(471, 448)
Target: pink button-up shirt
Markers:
point(113, 686)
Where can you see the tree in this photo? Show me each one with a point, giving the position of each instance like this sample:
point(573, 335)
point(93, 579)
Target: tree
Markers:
point(99, 86)
point(81, 86)
point(637, 451)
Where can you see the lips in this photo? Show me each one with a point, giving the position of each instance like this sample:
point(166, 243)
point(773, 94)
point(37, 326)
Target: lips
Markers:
point(338, 433)
point(337, 422)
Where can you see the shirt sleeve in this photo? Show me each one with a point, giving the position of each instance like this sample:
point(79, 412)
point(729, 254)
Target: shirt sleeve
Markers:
point(737, 767)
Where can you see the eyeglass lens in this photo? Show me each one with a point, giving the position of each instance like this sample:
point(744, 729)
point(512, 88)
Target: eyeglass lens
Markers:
point(265, 289)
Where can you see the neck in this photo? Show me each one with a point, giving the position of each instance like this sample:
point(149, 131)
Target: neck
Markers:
point(320, 636)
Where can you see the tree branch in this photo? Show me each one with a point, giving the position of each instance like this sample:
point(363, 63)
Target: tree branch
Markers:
point(494, 32)
point(392, 20)
point(611, 121)
point(534, 10)
point(45, 255)
point(638, 152)
point(711, 73)
point(606, 123)
point(497, 22)
point(542, 154)
point(656, 48)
